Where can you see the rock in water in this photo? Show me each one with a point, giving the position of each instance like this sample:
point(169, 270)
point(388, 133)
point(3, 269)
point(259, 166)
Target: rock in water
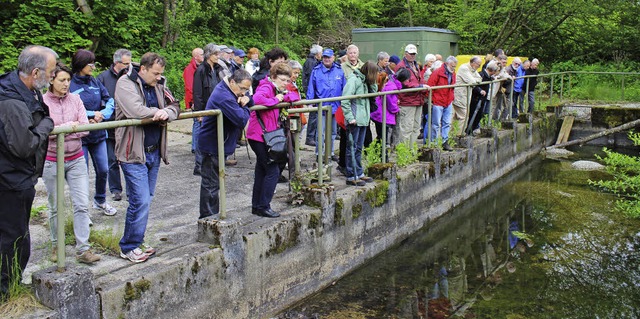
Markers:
point(558, 153)
point(587, 165)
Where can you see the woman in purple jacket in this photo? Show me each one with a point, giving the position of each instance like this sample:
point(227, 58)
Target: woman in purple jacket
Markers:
point(271, 91)
point(66, 110)
point(394, 83)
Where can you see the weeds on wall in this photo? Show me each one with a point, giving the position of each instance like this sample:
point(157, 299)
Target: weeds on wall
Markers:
point(405, 154)
point(625, 170)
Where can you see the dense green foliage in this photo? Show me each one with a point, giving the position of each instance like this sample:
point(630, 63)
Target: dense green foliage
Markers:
point(626, 178)
point(581, 31)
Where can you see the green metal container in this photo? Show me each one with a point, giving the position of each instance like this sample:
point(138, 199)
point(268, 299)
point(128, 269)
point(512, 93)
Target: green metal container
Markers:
point(393, 40)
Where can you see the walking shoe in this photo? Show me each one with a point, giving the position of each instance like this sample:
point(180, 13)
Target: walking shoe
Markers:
point(148, 250)
point(335, 158)
point(342, 170)
point(282, 179)
point(446, 146)
point(231, 162)
point(117, 196)
point(87, 257)
point(366, 179)
point(355, 182)
point(106, 208)
point(136, 255)
point(476, 132)
point(310, 143)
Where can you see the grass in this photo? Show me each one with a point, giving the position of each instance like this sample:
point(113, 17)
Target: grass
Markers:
point(20, 299)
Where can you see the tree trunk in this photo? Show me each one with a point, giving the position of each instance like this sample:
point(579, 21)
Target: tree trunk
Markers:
point(597, 135)
point(84, 7)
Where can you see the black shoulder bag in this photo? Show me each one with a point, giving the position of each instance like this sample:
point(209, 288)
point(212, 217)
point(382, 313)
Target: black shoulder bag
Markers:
point(276, 142)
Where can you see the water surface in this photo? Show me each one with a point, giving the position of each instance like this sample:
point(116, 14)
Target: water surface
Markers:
point(539, 243)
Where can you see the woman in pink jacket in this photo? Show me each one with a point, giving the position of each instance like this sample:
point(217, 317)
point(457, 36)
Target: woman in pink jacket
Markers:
point(394, 83)
point(67, 110)
point(270, 92)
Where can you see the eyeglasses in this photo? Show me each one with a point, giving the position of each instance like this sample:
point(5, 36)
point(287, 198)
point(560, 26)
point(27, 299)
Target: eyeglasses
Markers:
point(243, 88)
point(284, 79)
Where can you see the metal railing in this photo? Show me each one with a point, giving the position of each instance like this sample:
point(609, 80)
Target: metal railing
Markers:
point(323, 148)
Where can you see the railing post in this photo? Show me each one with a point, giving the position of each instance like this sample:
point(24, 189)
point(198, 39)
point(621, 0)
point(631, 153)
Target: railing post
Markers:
point(321, 143)
point(623, 87)
point(510, 106)
point(296, 148)
point(383, 147)
point(526, 96)
point(551, 90)
point(561, 85)
point(60, 202)
point(329, 139)
point(490, 97)
point(221, 168)
point(466, 114)
point(429, 106)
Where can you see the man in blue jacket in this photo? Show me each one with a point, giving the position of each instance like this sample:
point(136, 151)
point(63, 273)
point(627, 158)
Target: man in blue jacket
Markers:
point(327, 80)
point(228, 97)
point(24, 135)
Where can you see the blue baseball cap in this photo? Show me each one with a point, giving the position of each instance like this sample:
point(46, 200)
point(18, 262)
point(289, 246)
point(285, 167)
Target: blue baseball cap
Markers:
point(327, 53)
point(239, 52)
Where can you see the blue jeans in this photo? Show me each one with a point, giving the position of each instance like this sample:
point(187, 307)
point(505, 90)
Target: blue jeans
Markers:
point(354, 151)
point(312, 124)
point(195, 131)
point(98, 152)
point(115, 183)
point(532, 101)
point(440, 122)
point(141, 183)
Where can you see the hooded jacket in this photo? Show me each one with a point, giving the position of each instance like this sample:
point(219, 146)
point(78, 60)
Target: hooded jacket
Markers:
point(132, 104)
point(416, 80)
point(95, 98)
point(441, 76)
point(64, 110)
point(325, 83)
point(358, 109)
point(266, 95)
point(188, 75)
point(205, 80)
point(392, 102)
point(24, 130)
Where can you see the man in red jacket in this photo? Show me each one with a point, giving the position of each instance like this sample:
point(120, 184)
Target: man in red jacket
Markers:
point(410, 104)
point(441, 109)
point(197, 56)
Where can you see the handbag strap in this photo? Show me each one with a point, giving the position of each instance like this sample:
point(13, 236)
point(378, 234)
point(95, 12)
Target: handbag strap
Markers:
point(264, 130)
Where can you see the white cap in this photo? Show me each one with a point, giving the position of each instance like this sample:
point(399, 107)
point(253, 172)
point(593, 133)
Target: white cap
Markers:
point(410, 48)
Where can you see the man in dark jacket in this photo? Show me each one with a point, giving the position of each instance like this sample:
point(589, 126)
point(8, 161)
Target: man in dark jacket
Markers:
point(109, 78)
point(313, 59)
point(208, 74)
point(24, 135)
point(480, 98)
point(533, 81)
point(228, 97)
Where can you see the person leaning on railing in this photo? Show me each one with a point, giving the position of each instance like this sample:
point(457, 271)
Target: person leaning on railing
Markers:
point(67, 109)
point(270, 91)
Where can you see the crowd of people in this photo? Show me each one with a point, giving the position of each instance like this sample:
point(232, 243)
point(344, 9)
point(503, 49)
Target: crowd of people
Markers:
point(217, 78)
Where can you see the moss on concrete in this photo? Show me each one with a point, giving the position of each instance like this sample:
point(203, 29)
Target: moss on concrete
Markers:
point(378, 170)
point(356, 211)
point(134, 291)
point(612, 116)
point(337, 215)
point(289, 240)
point(314, 220)
point(195, 268)
point(377, 196)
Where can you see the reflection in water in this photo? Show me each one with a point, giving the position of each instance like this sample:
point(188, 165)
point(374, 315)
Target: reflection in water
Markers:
point(540, 243)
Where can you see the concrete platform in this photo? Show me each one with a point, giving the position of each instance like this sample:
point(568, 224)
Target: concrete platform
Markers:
point(251, 267)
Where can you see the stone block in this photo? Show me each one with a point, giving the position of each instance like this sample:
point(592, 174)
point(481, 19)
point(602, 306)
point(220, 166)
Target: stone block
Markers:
point(71, 293)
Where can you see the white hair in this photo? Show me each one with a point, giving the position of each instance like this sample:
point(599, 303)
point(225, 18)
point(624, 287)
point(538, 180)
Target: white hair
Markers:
point(315, 49)
point(429, 58)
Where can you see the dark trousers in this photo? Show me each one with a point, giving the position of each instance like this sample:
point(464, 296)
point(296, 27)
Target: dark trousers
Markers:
point(342, 158)
point(115, 182)
point(15, 242)
point(266, 177)
point(209, 186)
point(483, 110)
point(390, 129)
point(312, 126)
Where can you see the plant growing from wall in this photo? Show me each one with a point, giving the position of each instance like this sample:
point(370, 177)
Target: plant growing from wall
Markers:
point(406, 155)
point(625, 170)
point(372, 154)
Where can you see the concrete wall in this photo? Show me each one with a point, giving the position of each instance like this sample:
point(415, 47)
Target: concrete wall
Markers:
point(254, 270)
